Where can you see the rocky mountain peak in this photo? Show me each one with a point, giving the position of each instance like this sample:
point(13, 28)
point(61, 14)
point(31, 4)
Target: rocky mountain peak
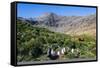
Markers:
point(66, 24)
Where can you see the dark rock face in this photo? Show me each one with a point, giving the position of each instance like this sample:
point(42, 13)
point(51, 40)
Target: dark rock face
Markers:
point(65, 24)
point(48, 19)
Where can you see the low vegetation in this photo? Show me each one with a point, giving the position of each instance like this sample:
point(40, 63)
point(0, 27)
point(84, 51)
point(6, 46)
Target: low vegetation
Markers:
point(33, 43)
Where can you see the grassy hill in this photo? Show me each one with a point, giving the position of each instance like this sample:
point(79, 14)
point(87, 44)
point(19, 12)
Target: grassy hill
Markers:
point(33, 43)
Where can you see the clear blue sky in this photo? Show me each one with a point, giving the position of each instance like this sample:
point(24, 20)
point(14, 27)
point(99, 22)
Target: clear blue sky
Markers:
point(34, 10)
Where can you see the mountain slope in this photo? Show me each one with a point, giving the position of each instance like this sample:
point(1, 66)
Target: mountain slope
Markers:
point(66, 24)
point(34, 42)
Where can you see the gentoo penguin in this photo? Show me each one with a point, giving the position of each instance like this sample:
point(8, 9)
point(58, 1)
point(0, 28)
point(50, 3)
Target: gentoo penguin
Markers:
point(63, 51)
point(72, 50)
point(52, 54)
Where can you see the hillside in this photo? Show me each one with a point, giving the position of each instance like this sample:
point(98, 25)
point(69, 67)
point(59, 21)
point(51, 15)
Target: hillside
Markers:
point(33, 43)
point(76, 25)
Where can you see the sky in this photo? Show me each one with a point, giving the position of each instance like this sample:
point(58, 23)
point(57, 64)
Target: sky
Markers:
point(34, 10)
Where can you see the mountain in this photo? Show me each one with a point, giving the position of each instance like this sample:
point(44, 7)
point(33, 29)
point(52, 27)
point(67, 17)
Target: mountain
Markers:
point(36, 35)
point(66, 24)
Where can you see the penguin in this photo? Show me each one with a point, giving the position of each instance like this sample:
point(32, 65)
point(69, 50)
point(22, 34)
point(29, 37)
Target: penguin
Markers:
point(63, 51)
point(52, 54)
